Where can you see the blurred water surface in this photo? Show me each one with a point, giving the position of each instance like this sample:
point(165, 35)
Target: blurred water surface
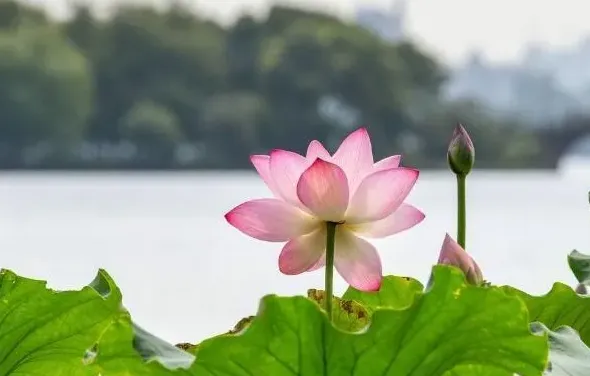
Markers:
point(186, 274)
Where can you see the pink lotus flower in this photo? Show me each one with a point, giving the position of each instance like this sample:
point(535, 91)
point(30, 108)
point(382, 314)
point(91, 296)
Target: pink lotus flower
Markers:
point(451, 253)
point(347, 188)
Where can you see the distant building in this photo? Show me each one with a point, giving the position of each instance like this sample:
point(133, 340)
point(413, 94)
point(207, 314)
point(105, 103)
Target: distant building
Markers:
point(571, 66)
point(389, 25)
point(532, 90)
point(546, 85)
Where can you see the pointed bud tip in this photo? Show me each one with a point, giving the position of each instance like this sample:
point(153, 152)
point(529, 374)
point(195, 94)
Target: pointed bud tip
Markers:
point(460, 131)
point(452, 253)
point(461, 152)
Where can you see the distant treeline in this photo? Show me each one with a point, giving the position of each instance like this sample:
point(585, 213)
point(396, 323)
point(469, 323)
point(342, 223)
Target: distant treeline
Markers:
point(168, 89)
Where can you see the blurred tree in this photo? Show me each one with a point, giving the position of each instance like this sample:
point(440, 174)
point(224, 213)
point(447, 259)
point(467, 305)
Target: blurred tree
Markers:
point(496, 140)
point(166, 78)
point(83, 30)
point(308, 59)
point(46, 88)
point(165, 57)
point(423, 72)
point(14, 14)
point(9, 14)
point(280, 18)
point(243, 50)
point(231, 122)
point(154, 129)
point(151, 124)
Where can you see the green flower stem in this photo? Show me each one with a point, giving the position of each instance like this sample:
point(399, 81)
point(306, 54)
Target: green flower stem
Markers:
point(461, 215)
point(329, 281)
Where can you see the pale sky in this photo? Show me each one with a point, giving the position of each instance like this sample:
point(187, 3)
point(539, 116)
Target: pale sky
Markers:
point(449, 28)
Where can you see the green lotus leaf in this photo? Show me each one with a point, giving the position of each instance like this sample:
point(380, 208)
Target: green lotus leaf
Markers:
point(75, 333)
point(395, 292)
point(347, 315)
point(568, 355)
point(562, 306)
point(454, 327)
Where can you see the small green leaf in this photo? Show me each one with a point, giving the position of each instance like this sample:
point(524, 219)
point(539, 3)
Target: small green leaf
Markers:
point(152, 348)
point(347, 314)
point(562, 306)
point(395, 293)
point(568, 355)
point(580, 265)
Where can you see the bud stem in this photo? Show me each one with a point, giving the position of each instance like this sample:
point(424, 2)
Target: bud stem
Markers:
point(461, 211)
point(329, 276)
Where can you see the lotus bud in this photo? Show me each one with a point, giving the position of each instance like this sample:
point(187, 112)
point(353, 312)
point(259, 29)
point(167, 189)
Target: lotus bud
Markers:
point(461, 153)
point(451, 253)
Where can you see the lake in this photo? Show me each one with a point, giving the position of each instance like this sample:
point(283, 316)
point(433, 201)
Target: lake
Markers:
point(186, 274)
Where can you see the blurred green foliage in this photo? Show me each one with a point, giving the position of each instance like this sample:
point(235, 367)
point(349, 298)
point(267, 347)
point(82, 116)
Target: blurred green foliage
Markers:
point(168, 89)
